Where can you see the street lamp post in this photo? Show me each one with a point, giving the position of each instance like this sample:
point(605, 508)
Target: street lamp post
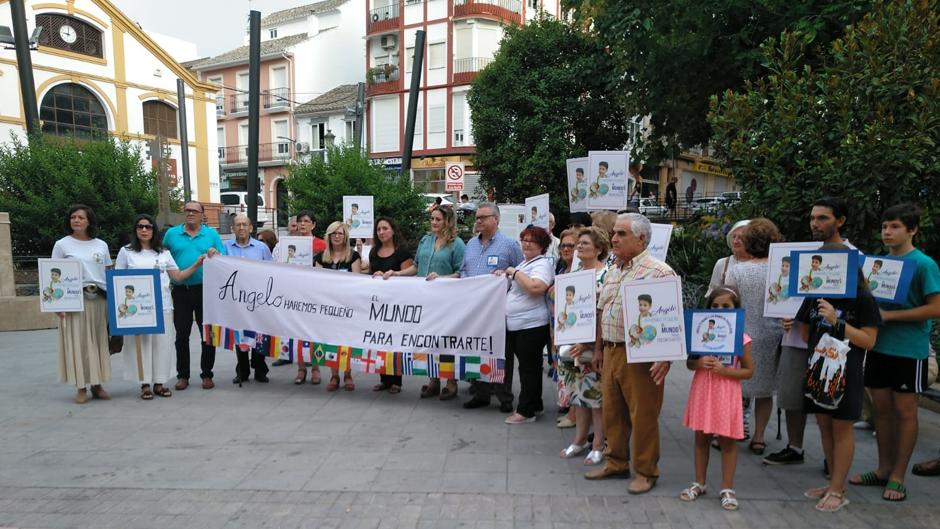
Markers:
point(24, 63)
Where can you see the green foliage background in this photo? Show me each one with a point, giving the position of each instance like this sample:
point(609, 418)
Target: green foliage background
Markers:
point(41, 179)
point(865, 125)
point(320, 186)
point(551, 93)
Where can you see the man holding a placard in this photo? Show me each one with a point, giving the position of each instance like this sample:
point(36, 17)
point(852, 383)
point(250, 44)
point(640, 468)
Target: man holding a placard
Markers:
point(896, 368)
point(828, 216)
point(632, 392)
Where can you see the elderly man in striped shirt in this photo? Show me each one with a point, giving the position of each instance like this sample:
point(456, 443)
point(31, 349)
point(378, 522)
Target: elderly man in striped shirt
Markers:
point(632, 393)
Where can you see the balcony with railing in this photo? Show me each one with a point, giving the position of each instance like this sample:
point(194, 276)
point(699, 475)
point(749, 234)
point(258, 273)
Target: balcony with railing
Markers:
point(382, 79)
point(383, 18)
point(267, 152)
point(467, 68)
point(272, 100)
point(508, 10)
point(219, 105)
point(276, 98)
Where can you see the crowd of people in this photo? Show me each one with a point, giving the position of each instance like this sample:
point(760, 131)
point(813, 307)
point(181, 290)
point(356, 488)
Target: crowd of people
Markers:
point(613, 405)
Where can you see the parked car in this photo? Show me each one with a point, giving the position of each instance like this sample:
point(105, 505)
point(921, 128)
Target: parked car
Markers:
point(651, 208)
point(706, 205)
point(233, 202)
point(732, 196)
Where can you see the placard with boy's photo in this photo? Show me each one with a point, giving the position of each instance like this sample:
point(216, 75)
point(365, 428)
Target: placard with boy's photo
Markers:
point(575, 317)
point(537, 211)
point(607, 179)
point(359, 216)
point(777, 300)
point(60, 285)
point(823, 273)
point(888, 278)
point(295, 250)
point(714, 332)
point(577, 184)
point(135, 302)
point(653, 316)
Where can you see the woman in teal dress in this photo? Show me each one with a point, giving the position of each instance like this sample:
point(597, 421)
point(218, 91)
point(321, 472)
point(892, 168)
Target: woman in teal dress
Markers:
point(439, 254)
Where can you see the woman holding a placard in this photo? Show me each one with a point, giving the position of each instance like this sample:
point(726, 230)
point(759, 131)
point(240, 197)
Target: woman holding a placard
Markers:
point(83, 336)
point(388, 255)
point(439, 254)
point(339, 255)
point(581, 382)
point(527, 320)
point(157, 351)
point(750, 278)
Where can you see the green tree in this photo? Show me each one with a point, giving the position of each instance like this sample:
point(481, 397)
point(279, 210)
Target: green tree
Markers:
point(864, 126)
point(549, 94)
point(320, 186)
point(678, 54)
point(40, 179)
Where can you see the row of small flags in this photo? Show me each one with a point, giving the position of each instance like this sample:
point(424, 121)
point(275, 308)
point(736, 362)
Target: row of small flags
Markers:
point(342, 358)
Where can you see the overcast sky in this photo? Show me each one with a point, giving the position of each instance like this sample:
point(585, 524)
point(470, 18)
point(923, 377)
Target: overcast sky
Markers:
point(213, 25)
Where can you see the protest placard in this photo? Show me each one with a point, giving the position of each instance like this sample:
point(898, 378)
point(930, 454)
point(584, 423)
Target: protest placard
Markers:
point(60, 283)
point(359, 215)
point(576, 308)
point(823, 273)
point(655, 325)
point(135, 302)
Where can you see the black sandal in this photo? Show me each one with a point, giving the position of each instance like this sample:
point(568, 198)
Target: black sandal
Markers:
point(757, 447)
point(162, 391)
point(145, 392)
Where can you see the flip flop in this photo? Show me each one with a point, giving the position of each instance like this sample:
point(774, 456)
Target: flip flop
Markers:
point(842, 502)
point(868, 479)
point(146, 394)
point(898, 487)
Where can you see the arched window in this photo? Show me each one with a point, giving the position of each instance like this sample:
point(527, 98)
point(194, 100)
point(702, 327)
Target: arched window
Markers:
point(72, 110)
point(70, 34)
point(159, 119)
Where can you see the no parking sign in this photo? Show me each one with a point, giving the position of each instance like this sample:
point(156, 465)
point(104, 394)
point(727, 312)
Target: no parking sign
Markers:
point(453, 177)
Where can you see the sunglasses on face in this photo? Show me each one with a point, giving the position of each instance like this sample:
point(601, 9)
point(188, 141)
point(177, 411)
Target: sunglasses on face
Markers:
point(145, 226)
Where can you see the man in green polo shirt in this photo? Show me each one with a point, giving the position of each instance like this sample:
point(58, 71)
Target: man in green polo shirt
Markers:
point(186, 242)
point(896, 369)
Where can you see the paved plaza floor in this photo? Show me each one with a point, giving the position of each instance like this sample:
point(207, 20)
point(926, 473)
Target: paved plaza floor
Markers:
point(279, 455)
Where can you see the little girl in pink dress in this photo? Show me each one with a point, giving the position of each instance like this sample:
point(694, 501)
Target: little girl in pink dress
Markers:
point(714, 407)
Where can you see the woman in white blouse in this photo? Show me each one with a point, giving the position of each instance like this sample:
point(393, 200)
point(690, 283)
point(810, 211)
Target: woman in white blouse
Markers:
point(83, 336)
point(527, 321)
point(154, 364)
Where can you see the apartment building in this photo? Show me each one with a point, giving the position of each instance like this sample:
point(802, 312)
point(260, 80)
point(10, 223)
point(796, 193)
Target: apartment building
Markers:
point(299, 62)
point(461, 38)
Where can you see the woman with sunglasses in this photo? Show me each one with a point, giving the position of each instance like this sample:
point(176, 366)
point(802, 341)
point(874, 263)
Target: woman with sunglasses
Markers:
point(157, 351)
point(339, 255)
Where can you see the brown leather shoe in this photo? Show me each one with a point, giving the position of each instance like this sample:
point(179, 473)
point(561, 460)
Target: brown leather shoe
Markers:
point(181, 384)
point(207, 383)
point(606, 473)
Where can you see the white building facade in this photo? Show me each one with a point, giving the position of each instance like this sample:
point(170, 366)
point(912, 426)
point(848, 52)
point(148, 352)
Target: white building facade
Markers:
point(98, 72)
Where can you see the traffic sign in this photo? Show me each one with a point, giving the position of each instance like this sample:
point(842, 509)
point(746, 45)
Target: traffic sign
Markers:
point(454, 176)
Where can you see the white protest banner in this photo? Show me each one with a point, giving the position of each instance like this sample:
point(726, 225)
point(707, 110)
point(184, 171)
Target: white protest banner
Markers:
point(655, 325)
point(359, 215)
point(778, 303)
point(294, 250)
point(576, 308)
point(537, 211)
point(608, 179)
point(659, 241)
point(465, 317)
point(61, 284)
point(577, 184)
point(454, 176)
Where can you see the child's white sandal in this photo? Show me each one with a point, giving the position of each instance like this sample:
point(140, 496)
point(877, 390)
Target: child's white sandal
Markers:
point(694, 491)
point(729, 500)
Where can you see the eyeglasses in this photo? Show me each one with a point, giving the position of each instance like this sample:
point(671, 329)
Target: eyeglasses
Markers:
point(337, 234)
point(566, 246)
point(192, 211)
point(481, 218)
point(145, 226)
